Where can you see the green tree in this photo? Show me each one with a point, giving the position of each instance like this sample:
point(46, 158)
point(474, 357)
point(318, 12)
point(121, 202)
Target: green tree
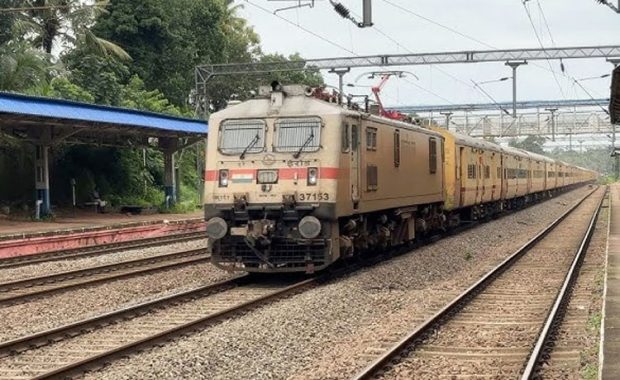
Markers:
point(50, 24)
point(103, 77)
point(531, 143)
point(167, 40)
point(22, 66)
point(62, 88)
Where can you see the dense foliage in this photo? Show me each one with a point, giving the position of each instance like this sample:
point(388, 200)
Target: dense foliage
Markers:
point(136, 54)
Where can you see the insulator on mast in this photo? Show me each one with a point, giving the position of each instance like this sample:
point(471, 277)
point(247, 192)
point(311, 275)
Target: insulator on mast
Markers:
point(341, 10)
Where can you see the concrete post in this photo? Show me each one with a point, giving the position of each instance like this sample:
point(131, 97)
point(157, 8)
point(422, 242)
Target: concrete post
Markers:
point(340, 73)
point(42, 179)
point(170, 187)
point(514, 65)
point(169, 147)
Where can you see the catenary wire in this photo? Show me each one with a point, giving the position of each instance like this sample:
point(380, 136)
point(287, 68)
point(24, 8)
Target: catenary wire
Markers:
point(301, 27)
point(542, 46)
point(406, 10)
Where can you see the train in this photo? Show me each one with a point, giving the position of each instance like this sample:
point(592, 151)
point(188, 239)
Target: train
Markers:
point(295, 182)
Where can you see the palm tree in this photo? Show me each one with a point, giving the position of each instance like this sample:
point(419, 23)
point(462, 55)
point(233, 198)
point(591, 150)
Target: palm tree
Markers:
point(68, 22)
point(22, 66)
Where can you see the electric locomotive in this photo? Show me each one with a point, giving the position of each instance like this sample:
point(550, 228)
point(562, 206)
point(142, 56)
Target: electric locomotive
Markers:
point(294, 182)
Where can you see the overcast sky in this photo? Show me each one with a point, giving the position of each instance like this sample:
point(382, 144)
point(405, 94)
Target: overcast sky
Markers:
point(502, 24)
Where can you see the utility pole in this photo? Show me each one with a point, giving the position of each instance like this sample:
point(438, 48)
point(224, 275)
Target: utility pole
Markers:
point(553, 111)
point(514, 65)
point(448, 115)
point(340, 72)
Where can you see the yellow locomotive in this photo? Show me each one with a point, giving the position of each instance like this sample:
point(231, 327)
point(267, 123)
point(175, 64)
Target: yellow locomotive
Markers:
point(293, 183)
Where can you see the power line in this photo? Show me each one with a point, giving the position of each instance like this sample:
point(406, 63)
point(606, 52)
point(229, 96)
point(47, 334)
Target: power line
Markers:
point(542, 46)
point(438, 24)
point(375, 28)
point(542, 12)
point(400, 7)
point(427, 90)
point(302, 28)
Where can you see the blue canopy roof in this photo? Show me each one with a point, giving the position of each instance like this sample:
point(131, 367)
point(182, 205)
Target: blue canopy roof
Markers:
point(62, 109)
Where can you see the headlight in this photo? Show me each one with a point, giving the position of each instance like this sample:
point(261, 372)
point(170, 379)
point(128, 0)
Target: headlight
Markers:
point(267, 176)
point(223, 178)
point(309, 227)
point(217, 228)
point(313, 176)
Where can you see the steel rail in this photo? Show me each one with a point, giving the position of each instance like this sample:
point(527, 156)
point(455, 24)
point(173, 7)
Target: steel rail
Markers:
point(72, 329)
point(99, 360)
point(562, 297)
point(56, 334)
point(178, 259)
point(89, 251)
point(384, 360)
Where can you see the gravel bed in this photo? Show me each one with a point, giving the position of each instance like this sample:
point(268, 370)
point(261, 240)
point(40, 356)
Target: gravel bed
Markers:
point(327, 332)
point(576, 346)
point(501, 325)
point(41, 269)
point(62, 308)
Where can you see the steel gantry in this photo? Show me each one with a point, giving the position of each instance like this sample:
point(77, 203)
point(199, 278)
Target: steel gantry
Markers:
point(205, 72)
point(510, 57)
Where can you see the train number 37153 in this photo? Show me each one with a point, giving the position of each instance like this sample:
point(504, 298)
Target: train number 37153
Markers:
point(312, 197)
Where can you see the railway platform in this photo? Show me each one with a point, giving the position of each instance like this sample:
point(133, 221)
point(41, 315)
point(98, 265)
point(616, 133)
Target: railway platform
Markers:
point(18, 238)
point(610, 343)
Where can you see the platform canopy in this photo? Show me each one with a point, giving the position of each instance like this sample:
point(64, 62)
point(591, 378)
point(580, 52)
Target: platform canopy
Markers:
point(49, 122)
point(59, 121)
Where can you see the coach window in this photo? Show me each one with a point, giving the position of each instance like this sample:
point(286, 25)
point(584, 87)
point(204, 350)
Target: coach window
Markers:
point(371, 138)
point(397, 148)
point(355, 137)
point(432, 155)
point(345, 138)
point(471, 171)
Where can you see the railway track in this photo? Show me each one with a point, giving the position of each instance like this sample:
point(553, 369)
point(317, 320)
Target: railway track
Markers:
point(499, 326)
point(24, 289)
point(91, 251)
point(88, 344)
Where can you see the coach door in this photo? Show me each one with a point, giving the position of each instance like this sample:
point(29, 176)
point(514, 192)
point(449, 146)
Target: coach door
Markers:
point(355, 165)
point(464, 165)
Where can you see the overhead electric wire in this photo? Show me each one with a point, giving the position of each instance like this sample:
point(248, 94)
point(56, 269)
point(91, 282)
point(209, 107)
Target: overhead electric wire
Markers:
point(325, 39)
point(544, 17)
point(402, 8)
point(542, 46)
point(437, 23)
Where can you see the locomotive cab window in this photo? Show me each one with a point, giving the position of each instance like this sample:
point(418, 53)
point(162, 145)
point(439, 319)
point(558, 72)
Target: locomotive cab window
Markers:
point(432, 155)
point(242, 136)
point(298, 135)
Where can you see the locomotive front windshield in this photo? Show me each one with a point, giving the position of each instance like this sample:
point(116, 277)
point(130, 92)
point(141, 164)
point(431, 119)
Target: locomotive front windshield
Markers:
point(248, 136)
point(242, 136)
point(298, 135)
